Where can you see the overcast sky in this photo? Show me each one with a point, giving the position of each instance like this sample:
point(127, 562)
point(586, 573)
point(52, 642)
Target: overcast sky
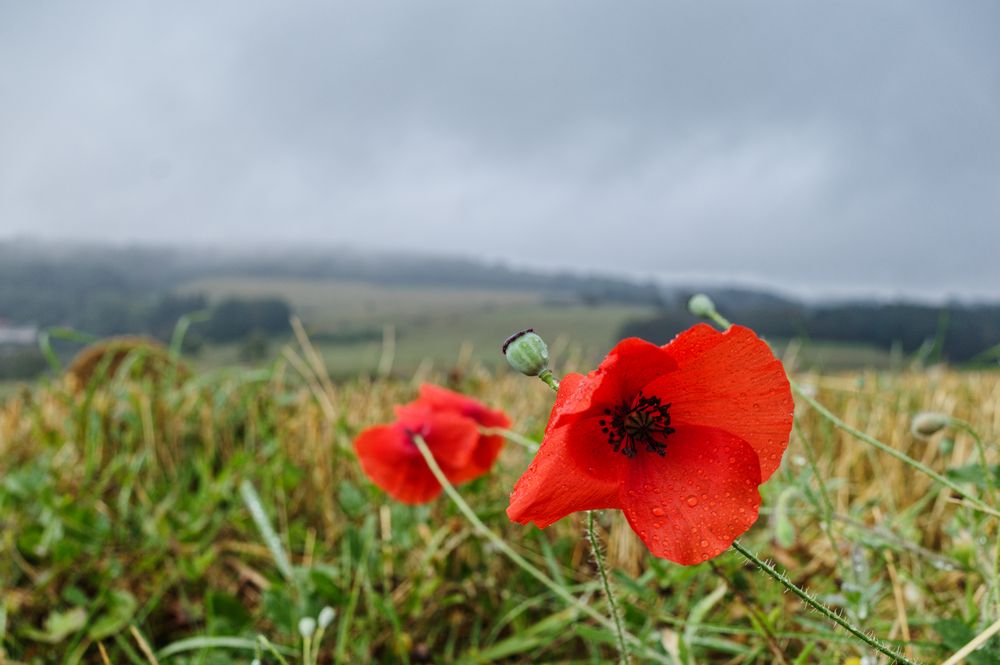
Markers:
point(822, 147)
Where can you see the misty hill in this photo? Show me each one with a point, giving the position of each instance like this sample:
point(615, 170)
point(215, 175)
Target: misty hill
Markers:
point(107, 290)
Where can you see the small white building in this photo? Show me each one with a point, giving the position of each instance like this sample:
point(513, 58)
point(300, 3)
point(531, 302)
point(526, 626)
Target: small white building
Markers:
point(12, 334)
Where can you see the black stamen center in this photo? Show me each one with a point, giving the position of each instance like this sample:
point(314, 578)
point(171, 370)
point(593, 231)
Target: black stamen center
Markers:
point(644, 420)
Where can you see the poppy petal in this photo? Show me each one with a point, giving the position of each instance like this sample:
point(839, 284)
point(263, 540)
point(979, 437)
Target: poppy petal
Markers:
point(488, 448)
point(442, 399)
point(550, 489)
point(731, 381)
point(588, 452)
point(627, 369)
point(389, 458)
point(560, 480)
point(575, 395)
point(689, 505)
point(451, 437)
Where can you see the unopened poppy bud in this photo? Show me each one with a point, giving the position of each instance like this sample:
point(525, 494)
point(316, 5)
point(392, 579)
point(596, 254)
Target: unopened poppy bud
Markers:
point(927, 423)
point(307, 626)
point(326, 616)
point(526, 352)
point(701, 306)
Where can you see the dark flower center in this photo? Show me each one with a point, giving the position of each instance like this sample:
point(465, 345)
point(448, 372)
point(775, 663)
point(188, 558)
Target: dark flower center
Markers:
point(643, 420)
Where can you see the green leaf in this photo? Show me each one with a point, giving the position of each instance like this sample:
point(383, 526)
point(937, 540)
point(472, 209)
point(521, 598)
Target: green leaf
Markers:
point(702, 608)
point(225, 615)
point(202, 643)
point(975, 474)
point(120, 609)
point(784, 530)
point(59, 625)
point(351, 499)
point(955, 635)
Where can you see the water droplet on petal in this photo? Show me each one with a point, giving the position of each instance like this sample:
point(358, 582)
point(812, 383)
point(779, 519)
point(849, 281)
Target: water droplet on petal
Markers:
point(658, 511)
point(692, 501)
point(704, 543)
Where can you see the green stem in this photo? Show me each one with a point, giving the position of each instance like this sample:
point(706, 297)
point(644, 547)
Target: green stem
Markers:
point(719, 320)
point(981, 449)
point(888, 450)
point(306, 649)
point(520, 561)
point(595, 545)
point(263, 641)
point(530, 445)
point(806, 598)
point(963, 426)
point(549, 378)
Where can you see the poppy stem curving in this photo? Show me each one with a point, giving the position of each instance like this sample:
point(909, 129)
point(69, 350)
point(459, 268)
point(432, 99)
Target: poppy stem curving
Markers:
point(809, 600)
point(974, 502)
point(595, 545)
point(523, 563)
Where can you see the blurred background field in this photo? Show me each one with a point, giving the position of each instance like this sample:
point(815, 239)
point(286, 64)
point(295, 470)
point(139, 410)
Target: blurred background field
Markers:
point(124, 528)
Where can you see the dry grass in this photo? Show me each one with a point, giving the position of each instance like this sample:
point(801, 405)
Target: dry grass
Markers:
point(129, 486)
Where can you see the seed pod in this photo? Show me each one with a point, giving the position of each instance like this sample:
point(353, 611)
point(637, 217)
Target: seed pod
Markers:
point(526, 352)
point(928, 423)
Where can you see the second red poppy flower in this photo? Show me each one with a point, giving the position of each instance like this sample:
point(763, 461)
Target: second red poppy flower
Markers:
point(450, 424)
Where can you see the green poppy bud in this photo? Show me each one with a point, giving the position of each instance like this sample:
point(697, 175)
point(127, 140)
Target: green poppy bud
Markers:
point(326, 617)
point(928, 423)
point(526, 352)
point(701, 306)
point(307, 626)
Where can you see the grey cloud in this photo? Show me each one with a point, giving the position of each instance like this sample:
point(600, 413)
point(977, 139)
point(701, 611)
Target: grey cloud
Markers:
point(846, 147)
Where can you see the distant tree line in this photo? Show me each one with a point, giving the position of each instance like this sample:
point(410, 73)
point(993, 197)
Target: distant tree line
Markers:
point(957, 333)
point(115, 290)
point(109, 314)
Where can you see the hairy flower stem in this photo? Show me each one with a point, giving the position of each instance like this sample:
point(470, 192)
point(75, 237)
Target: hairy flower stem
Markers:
point(595, 545)
point(523, 563)
point(888, 450)
point(806, 598)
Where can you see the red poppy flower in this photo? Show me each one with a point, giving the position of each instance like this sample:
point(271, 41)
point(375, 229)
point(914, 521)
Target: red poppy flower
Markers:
point(488, 446)
point(449, 422)
point(678, 437)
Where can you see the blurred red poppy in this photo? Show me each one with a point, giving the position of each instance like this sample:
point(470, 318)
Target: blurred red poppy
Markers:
point(450, 424)
point(678, 437)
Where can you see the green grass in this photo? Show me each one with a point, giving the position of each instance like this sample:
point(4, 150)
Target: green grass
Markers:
point(124, 525)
